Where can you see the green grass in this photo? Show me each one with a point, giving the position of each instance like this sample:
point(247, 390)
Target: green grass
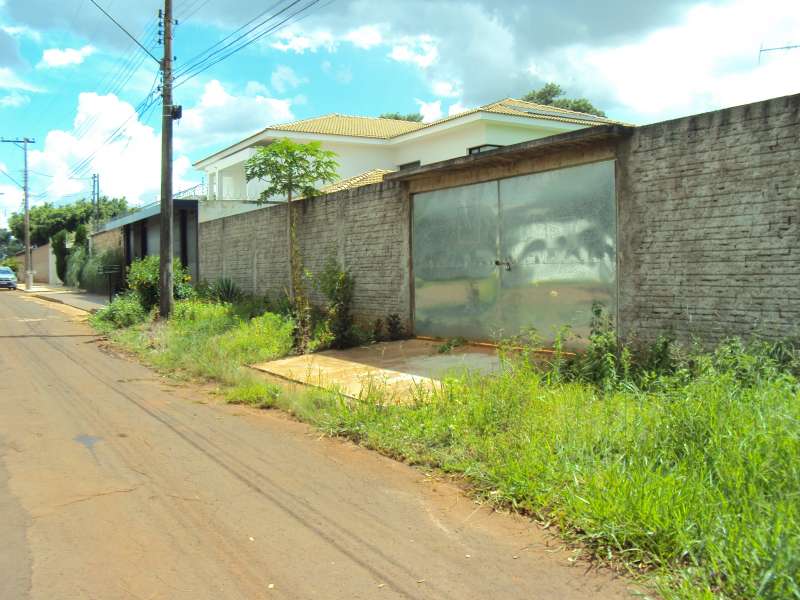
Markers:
point(697, 483)
point(208, 341)
point(682, 465)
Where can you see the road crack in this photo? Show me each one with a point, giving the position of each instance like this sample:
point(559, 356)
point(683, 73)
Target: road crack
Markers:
point(90, 497)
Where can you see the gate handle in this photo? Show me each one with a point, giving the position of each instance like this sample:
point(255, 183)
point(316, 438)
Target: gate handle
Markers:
point(505, 263)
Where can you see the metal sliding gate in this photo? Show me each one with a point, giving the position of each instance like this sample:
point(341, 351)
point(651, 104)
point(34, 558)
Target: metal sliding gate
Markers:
point(496, 259)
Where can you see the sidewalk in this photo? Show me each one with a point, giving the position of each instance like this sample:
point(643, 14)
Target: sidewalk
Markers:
point(70, 296)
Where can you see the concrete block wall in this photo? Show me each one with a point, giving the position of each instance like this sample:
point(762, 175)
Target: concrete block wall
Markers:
point(107, 240)
point(366, 229)
point(708, 214)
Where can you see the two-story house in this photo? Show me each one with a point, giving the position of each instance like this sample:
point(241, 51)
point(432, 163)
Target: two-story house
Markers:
point(368, 147)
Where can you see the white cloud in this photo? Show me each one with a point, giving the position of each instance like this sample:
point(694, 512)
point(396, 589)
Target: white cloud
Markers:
point(21, 31)
point(255, 88)
point(456, 108)
point(708, 61)
point(284, 78)
point(445, 89)
point(364, 37)
point(430, 111)
point(291, 40)
point(420, 50)
point(221, 117)
point(10, 196)
point(14, 100)
point(10, 81)
point(342, 74)
point(129, 165)
point(56, 57)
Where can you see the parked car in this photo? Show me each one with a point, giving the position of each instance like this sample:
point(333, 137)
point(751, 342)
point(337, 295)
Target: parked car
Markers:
point(8, 279)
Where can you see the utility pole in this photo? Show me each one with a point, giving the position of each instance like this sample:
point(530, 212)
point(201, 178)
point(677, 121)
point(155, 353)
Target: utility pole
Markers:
point(23, 143)
point(169, 112)
point(96, 197)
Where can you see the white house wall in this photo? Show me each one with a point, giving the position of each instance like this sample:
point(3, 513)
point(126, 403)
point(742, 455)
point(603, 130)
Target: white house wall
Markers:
point(504, 134)
point(441, 145)
point(230, 194)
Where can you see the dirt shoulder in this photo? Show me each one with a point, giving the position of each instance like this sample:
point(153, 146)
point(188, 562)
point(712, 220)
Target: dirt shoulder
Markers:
point(129, 486)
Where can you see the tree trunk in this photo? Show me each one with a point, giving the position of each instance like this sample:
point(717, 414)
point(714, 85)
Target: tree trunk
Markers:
point(290, 245)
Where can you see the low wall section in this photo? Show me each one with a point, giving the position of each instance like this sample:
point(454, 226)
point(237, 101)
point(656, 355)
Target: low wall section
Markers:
point(365, 229)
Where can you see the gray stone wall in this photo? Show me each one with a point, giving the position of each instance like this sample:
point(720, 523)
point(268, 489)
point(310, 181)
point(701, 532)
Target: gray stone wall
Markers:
point(708, 213)
point(365, 229)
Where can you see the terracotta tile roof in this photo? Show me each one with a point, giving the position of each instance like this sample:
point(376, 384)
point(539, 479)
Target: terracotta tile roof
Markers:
point(376, 127)
point(366, 178)
point(531, 110)
point(336, 124)
point(386, 129)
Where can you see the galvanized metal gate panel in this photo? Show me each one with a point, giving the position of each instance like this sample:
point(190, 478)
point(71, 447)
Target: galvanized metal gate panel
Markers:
point(454, 248)
point(496, 259)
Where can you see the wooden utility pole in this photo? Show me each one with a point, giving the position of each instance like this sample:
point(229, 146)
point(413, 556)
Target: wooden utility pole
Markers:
point(167, 115)
point(23, 143)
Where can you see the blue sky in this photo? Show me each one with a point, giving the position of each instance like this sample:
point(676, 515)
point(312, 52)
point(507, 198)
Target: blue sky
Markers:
point(70, 79)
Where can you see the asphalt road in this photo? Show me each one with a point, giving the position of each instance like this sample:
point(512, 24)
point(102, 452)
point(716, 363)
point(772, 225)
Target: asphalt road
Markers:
point(115, 483)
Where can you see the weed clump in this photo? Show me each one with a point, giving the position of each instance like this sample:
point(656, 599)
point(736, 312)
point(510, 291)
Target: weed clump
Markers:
point(124, 311)
point(254, 393)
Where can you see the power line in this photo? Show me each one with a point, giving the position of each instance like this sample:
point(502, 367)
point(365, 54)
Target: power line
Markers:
point(200, 67)
point(193, 11)
point(198, 58)
point(11, 178)
point(128, 33)
point(115, 80)
point(79, 168)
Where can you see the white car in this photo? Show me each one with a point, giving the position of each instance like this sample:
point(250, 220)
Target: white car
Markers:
point(8, 279)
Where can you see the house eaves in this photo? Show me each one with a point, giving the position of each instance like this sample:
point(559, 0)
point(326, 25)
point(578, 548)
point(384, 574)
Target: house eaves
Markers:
point(266, 135)
point(508, 154)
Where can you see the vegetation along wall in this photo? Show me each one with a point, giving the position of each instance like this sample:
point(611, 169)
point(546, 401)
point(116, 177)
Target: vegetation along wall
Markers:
point(709, 207)
point(365, 229)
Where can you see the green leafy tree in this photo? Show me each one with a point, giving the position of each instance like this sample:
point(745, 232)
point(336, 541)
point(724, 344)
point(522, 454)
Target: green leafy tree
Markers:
point(48, 219)
point(9, 245)
point(59, 245)
point(415, 117)
point(551, 95)
point(292, 170)
point(81, 236)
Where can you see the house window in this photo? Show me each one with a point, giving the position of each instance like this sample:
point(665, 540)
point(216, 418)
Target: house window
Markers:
point(484, 148)
point(410, 165)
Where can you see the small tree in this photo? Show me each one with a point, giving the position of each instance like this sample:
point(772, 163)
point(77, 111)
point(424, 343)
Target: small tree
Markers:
point(81, 236)
point(550, 95)
point(290, 170)
point(413, 117)
point(59, 244)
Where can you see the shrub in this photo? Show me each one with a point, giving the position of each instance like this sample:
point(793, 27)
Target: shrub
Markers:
point(378, 333)
point(81, 237)
point(59, 244)
point(338, 286)
point(78, 256)
point(260, 339)
point(394, 327)
point(225, 290)
point(143, 279)
point(253, 393)
point(124, 311)
point(195, 316)
point(321, 337)
point(91, 277)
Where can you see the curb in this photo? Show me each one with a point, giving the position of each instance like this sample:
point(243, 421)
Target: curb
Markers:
point(90, 311)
